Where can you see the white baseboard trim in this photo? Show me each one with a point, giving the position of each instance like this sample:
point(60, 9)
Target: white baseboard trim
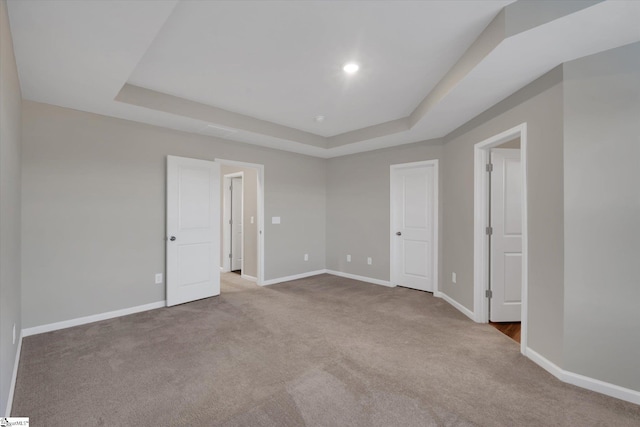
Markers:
point(294, 277)
point(544, 363)
point(361, 278)
point(249, 278)
point(582, 381)
point(14, 376)
point(332, 272)
point(90, 319)
point(456, 304)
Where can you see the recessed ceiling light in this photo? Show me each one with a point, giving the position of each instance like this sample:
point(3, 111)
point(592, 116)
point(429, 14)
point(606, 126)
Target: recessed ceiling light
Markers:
point(319, 119)
point(351, 68)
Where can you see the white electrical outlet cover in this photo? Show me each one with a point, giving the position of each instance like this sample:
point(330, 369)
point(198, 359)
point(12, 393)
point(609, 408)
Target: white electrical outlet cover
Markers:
point(275, 220)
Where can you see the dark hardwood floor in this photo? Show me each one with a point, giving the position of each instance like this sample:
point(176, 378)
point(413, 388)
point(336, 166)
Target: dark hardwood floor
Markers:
point(510, 329)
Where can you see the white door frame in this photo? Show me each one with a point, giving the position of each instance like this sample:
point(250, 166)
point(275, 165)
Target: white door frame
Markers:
point(261, 236)
point(481, 221)
point(226, 216)
point(436, 214)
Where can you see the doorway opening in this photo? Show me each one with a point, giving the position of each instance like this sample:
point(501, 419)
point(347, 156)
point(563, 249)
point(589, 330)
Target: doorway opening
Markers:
point(232, 223)
point(505, 239)
point(500, 233)
point(241, 225)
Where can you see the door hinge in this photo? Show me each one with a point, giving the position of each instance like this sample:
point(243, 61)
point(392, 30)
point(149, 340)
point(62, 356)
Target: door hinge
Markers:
point(488, 293)
point(229, 256)
point(230, 222)
point(489, 231)
point(489, 167)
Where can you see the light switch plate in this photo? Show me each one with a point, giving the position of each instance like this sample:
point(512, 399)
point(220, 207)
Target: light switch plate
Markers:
point(158, 278)
point(453, 277)
point(275, 220)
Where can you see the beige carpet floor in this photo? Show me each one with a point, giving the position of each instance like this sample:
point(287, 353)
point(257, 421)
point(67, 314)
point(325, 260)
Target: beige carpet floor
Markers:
point(322, 351)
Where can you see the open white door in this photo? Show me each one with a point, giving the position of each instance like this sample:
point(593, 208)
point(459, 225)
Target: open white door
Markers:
point(193, 229)
point(414, 225)
point(236, 223)
point(506, 238)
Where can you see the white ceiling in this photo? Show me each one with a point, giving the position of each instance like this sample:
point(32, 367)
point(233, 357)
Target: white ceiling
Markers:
point(282, 61)
point(273, 66)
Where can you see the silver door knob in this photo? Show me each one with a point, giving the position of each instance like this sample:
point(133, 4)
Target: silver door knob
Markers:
point(172, 238)
point(398, 233)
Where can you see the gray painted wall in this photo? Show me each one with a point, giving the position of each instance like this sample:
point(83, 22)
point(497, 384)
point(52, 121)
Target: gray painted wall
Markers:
point(602, 216)
point(94, 210)
point(249, 209)
point(540, 106)
point(358, 207)
point(10, 129)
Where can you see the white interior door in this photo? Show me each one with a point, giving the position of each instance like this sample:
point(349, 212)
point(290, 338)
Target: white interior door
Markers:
point(193, 229)
point(236, 224)
point(414, 222)
point(506, 239)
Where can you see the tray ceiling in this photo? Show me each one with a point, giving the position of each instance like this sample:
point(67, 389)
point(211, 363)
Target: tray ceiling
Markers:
point(260, 72)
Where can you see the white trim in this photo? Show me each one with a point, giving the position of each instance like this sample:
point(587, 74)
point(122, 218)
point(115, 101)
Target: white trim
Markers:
point(524, 321)
point(361, 278)
point(436, 225)
point(603, 387)
point(582, 381)
point(261, 231)
point(436, 214)
point(481, 213)
point(332, 272)
point(249, 278)
point(14, 376)
point(456, 304)
point(293, 277)
point(544, 363)
point(480, 263)
point(90, 319)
